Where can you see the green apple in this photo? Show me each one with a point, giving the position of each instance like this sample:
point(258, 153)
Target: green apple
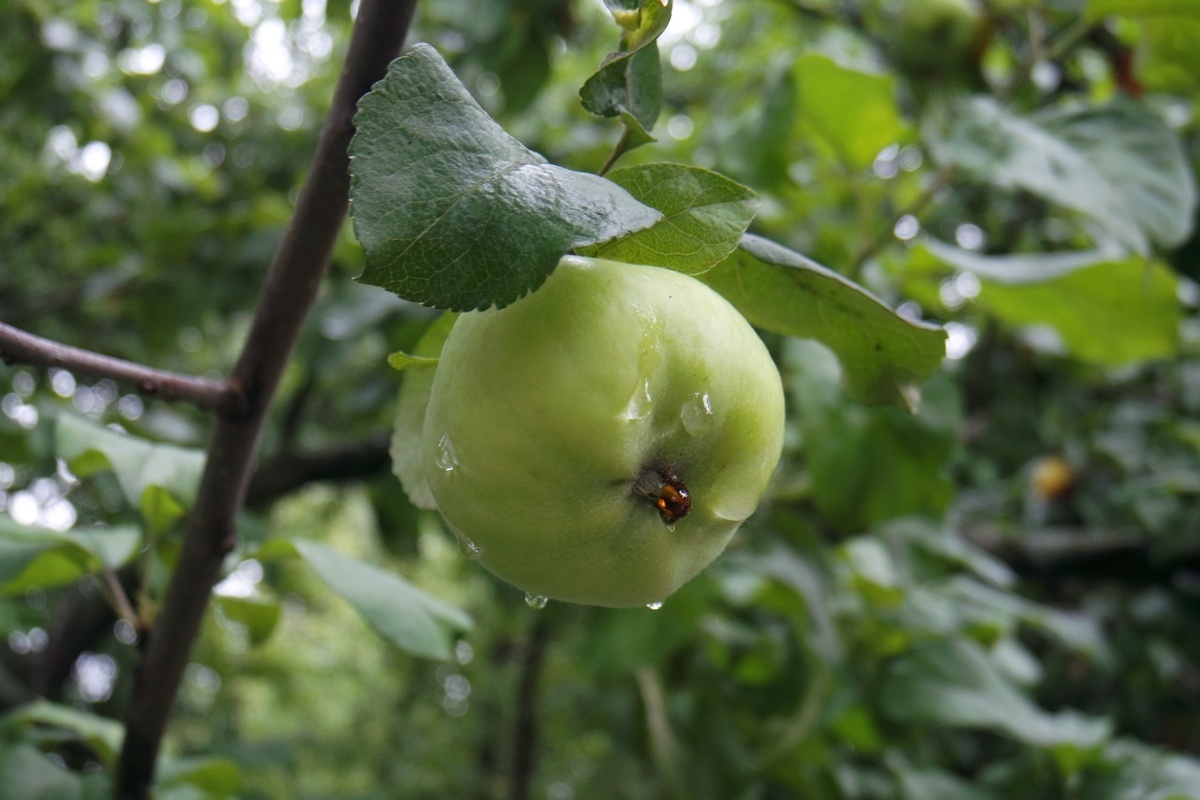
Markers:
point(600, 440)
point(929, 36)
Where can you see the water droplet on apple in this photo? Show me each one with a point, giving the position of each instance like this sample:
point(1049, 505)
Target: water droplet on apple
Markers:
point(654, 606)
point(536, 601)
point(446, 457)
point(640, 401)
point(469, 548)
point(697, 413)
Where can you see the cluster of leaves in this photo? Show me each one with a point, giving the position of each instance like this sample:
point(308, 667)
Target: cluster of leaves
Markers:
point(913, 613)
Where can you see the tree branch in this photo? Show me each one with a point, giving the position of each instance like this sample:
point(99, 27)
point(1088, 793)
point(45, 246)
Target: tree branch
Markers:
point(1127, 558)
point(525, 736)
point(17, 346)
point(287, 295)
point(286, 472)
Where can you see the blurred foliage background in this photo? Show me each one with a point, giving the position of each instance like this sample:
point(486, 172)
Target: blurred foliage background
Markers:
point(993, 598)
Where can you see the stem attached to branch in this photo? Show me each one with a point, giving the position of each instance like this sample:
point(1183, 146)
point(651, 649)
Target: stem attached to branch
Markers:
point(17, 346)
point(287, 295)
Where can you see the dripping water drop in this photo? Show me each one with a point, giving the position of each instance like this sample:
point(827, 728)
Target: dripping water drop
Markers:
point(469, 548)
point(654, 606)
point(697, 413)
point(446, 457)
point(536, 601)
point(640, 401)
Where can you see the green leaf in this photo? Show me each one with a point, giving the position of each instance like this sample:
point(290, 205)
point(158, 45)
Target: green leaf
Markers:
point(45, 558)
point(28, 774)
point(1143, 8)
point(1076, 631)
point(409, 422)
point(1168, 60)
point(401, 361)
point(113, 547)
point(938, 540)
point(101, 734)
point(628, 83)
point(629, 87)
point(620, 640)
point(1118, 165)
point(400, 612)
point(869, 465)
point(259, 615)
point(1105, 311)
point(453, 212)
point(1150, 773)
point(932, 784)
point(766, 144)
point(955, 683)
point(160, 509)
point(1140, 157)
point(782, 564)
point(215, 777)
point(704, 217)
point(160, 479)
point(848, 113)
point(885, 358)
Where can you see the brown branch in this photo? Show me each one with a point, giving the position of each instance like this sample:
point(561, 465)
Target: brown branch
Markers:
point(526, 734)
point(287, 472)
point(1123, 557)
point(287, 295)
point(17, 346)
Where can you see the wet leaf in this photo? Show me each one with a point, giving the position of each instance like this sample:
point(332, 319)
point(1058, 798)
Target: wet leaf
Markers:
point(704, 217)
point(452, 211)
point(885, 358)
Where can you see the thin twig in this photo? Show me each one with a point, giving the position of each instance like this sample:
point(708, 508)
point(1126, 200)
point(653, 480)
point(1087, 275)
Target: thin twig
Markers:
point(1124, 557)
point(804, 721)
point(663, 745)
point(17, 346)
point(120, 598)
point(618, 150)
point(287, 296)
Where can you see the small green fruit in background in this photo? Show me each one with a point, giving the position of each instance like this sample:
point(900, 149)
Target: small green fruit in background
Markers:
point(600, 440)
point(928, 36)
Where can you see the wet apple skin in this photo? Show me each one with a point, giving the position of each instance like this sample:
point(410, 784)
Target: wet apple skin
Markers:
point(546, 412)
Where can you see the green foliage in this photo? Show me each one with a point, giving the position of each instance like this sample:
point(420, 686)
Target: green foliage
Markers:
point(1119, 165)
point(1067, 293)
point(884, 356)
point(437, 182)
point(850, 114)
point(912, 614)
point(404, 615)
point(704, 217)
point(628, 83)
point(160, 479)
point(35, 557)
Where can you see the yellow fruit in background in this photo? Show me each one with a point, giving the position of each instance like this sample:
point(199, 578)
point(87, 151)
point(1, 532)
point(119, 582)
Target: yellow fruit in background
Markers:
point(1051, 477)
